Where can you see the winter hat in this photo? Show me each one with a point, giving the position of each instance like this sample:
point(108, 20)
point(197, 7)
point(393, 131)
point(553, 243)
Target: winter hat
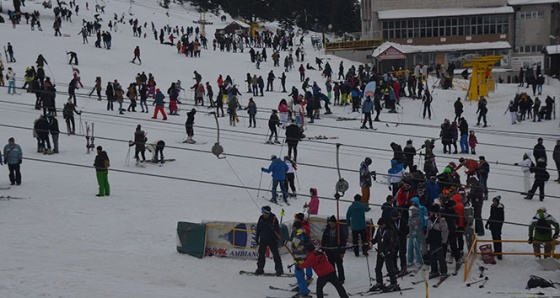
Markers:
point(541, 210)
point(497, 198)
point(157, 89)
point(409, 142)
point(297, 224)
point(332, 219)
point(447, 170)
point(299, 216)
point(313, 191)
point(381, 221)
point(415, 200)
point(272, 157)
point(99, 148)
point(266, 209)
point(434, 208)
point(357, 198)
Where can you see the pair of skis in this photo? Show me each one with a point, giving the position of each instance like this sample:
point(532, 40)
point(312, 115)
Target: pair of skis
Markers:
point(289, 290)
point(90, 139)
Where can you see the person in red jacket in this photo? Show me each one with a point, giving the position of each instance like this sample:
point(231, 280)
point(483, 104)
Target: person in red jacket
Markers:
point(325, 271)
point(460, 212)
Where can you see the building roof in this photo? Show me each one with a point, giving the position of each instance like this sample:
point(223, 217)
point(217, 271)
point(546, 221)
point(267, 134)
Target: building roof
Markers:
point(409, 49)
point(244, 25)
point(444, 12)
point(553, 50)
point(529, 2)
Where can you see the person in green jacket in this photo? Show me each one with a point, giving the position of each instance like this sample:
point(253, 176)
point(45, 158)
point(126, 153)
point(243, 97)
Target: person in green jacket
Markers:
point(540, 232)
point(101, 165)
point(356, 216)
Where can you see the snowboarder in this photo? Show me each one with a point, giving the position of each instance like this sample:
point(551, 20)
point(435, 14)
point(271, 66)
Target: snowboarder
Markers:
point(267, 237)
point(101, 165)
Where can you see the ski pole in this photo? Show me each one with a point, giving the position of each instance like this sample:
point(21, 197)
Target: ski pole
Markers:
point(297, 180)
point(127, 160)
point(516, 293)
point(260, 180)
point(482, 285)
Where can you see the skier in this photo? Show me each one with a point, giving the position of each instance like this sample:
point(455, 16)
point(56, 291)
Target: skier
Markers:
point(409, 152)
point(41, 132)
point(541, 176)
point(475, 196)
point(189, 127)
point(482, 111)
point(495, 223)
point(97, 88)
point(415, 239)
point(436, 238)
point(356, 216)
point(137, 55)
point(400, 226)
point(160, 104)
point(293, 136)
point(313, 205)
point(540, 232)
point(173, 99)
point(267, 237)
point(68, 115)
point(299, 239)
point(140, 144)
point(11, 53)
point(367, 109)
point(54, 131)
point(366, 179)
point(290, 176)
point(427, 101)
point(11, 78)
point(386, 240)
point(252, 112)
point(482, 174)
point(101, 165)
point(333, 243)
point(458, 106)
point(324, 270)
point(12, 157)
point(273, 122)
point(539, 150)
point(278, 169)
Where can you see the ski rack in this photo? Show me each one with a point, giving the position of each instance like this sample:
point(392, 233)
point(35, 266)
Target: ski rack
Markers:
point(341, 185)
point(217, 149)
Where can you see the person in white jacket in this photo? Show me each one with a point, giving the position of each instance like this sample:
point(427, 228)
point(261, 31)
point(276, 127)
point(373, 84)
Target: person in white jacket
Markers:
point(526, 169)
point(11, 77)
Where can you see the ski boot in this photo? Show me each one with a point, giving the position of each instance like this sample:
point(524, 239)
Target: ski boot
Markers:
point(393, 287)
point(377, 287)
point(276, 141)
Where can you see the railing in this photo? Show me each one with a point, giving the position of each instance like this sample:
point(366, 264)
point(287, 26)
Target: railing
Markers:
point(471, 256)
point(354, 44)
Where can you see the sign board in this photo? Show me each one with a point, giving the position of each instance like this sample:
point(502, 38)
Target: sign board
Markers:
point(391, 53)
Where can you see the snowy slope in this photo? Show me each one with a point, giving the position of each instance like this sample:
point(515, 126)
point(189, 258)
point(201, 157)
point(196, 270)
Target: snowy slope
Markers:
point(64, 242)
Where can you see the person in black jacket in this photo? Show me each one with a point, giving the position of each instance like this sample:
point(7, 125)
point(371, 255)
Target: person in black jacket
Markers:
point(458, 105)
point(101, 165)
point(401, 227)
point(464, 133)
point(140, 142)
point(54, 131)
point(476, 195)
point(397, 153)
point(386, 239)
point(388, 207)
point(495, 223)
point(333, 243)
point(273, 122)
point(539, 151)
point(377, 105)
point(41, 130)
point(482, 173)
point(482, 111)
point(267, 235)
point(109, 92)
point(189, 127)
point(409, 152)
point(293, 136)
point(541, 176)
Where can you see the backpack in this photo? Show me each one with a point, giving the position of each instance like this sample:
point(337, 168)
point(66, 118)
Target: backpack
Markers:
point(538, 282)
point(542, 226)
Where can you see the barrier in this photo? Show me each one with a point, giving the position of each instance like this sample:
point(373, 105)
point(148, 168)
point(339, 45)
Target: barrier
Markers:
point(472, 255)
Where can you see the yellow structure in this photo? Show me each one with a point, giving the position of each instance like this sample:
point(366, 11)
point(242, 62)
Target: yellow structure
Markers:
point(481, 79)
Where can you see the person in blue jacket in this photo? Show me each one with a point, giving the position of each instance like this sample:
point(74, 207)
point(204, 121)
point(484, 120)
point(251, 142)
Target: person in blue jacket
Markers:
point(278, 168)
point(356, 216)
point(356, 95)
point(13, 157)
point(367, 109)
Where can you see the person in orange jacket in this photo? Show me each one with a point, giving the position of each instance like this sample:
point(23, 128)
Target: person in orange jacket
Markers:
point(460, 223)
point(325, 271)
point(470, 164)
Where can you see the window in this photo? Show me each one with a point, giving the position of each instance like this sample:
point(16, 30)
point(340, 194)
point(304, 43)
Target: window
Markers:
point(454, 31)
point(534, 14)
point(527, 49)
point(429, 32)
point(541, 15)
point(522, 15)
point(539, 48)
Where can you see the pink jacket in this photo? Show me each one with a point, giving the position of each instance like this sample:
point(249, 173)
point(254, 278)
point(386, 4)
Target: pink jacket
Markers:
point(282, 108)
point(314, 205)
